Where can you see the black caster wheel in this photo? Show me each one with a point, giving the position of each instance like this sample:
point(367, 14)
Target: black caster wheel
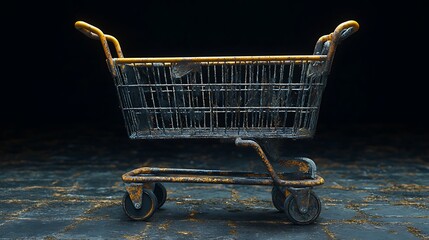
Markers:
point(149, 205)
point(278, 198)
point(160, 193)
point(295, 216)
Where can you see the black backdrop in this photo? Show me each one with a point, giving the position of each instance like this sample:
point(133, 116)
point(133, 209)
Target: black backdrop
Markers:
point(55, 76)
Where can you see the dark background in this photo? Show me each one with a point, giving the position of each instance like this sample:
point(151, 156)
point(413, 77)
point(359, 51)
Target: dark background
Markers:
point(55, 77)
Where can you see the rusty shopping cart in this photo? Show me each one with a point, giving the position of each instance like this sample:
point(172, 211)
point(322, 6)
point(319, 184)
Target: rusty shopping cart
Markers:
point(245, 98)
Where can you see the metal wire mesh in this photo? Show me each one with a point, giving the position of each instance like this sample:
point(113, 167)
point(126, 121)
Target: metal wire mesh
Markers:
point(269, 99)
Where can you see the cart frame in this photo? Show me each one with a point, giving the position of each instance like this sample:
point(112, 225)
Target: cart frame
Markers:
point(291, 193)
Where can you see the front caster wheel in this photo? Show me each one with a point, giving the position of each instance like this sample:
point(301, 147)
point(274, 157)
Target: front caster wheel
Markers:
point(292, 212)
point(147, 209)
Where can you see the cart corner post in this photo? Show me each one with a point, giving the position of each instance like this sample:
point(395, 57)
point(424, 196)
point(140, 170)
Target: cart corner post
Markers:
point(96, 34)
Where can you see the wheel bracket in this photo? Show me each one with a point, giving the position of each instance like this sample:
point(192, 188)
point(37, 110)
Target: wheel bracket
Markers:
point(136, 192)
point(302, 196)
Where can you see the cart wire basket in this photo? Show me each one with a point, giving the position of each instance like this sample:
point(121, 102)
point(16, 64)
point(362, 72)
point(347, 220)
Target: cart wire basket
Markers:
point(244, 98)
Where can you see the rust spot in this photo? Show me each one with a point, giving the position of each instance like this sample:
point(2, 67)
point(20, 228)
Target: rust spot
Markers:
point(361, 221)
point(416, 232)
point(233, 227)
point(300, 165)
point(50, 238)
point(340, 187)
point(192, 217)
point(30, 208)
point(186, 233)
point(164, 226)
point(406, 188)
point(119, 185)
point(356, 206)
point(330, 200)
point(135, 191)
point(419, 203)
point(374, 198)
point(328, 232)
point(102, 204)
point(205, 187)
point(234, 195)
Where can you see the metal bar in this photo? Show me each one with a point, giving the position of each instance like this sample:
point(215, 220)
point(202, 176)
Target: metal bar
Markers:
point(222, 59)
point(146, 175)
point(230, 107)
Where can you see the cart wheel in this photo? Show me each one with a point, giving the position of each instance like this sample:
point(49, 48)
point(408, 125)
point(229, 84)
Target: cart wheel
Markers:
point(149, 205)
point(160, 193)
point(295, 216)
point(278, 198)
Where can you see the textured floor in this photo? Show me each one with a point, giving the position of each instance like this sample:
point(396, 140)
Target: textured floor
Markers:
point(66, 184)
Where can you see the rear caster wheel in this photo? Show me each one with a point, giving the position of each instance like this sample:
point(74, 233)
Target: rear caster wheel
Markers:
point(278, 198)
point(160, 193)
point(294, 215)
point(147, 209)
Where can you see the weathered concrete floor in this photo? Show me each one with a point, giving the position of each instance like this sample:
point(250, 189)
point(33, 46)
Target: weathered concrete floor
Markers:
point(67, 185)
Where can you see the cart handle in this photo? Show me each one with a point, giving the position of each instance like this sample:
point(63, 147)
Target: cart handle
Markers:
point(341, 32)
point(96, 34)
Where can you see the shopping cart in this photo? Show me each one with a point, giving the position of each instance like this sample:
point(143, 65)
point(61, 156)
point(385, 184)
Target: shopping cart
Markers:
point(246, 98)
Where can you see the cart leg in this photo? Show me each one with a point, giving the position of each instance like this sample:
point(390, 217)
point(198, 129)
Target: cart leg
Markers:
point(261, 153)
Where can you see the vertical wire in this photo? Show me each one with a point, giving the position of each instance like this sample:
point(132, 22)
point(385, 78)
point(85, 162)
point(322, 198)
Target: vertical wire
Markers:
point(302, 94)
point(176, 106)
point(191, 112)
point(167, 91)
point(307, 96)
point(143, 100)
point(125, 100)
point(289, 92)
point(224, 96)
point(158, 88)
point(210, 100)
point(297, 122)
point(281, 94)
point(254, 93)
point(232, 94)
point(153, 98)
point(217, 93)
point(119, 81)
point(184, 104)
point(238, 100)
point(275, 98)
point(261, 98)
point(203, 100)
point(246, 111)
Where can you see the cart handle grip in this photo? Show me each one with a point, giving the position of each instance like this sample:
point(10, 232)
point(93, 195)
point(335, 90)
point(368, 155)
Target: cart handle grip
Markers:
point(341, 32)
point(345, 29)
point(96, 34)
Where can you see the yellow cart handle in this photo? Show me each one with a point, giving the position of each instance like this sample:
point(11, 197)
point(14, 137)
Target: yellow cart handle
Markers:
point(330, 42)
point(95, 33)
